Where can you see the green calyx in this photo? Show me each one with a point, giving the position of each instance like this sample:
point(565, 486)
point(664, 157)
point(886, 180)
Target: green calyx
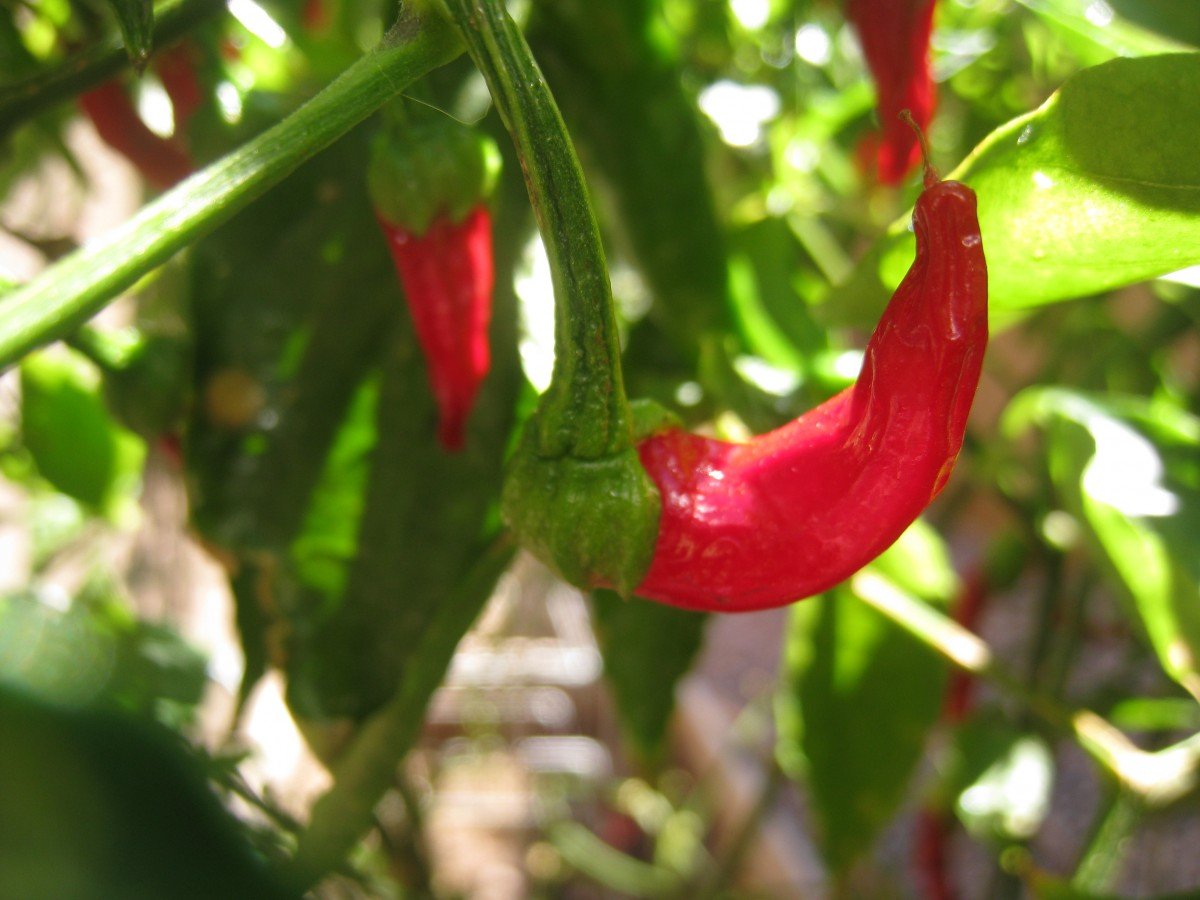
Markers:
point(594, 521)
point(422, 170)
point(575, 492)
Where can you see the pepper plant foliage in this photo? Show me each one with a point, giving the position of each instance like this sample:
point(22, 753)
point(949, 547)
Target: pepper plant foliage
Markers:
point(724, 180)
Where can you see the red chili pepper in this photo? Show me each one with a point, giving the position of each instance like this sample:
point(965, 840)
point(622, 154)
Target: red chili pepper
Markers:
point(447, 276)
point(933, 833)
point(162, 162)
point(895, 40)
point(794, 512)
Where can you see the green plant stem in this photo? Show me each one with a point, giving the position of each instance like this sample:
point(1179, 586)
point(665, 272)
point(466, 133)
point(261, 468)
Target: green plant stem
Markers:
point(1155, 779)
point(25, 99)
point(72, 290)
point(608, 866)
point(585, 413)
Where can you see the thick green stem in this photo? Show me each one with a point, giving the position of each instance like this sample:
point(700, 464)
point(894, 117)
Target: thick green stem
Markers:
point(72, 290)
point(584, 413)
point(575, 493)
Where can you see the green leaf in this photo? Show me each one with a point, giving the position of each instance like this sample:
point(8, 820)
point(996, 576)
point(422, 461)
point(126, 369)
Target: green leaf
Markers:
point(859, 697)
point(136, 19)
point(647, 648)
point(619, 62)
point(1096, 189)
point(1130, 470)
point(96, 653)
point(1091, 36)
point(66, 427)
point(368, 767)
point(100, 803)
point(320, 471)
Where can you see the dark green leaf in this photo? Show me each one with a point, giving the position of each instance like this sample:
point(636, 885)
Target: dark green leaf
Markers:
point(647, 648)
point(101, 804)
point(368, 767)
point(859, 697)
point(313, 448)
point(617, 62)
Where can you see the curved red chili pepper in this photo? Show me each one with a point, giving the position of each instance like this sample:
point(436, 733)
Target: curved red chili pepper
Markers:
point(162, 162)
point(895, 40)
point(447, 277)
point(794, 512)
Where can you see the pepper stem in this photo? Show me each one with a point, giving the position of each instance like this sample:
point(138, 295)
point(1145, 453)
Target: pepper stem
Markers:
point(584, 413)
point(575, 492)
point(931, 174)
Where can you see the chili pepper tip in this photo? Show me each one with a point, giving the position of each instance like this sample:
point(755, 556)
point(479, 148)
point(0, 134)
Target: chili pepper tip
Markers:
point(931, 174)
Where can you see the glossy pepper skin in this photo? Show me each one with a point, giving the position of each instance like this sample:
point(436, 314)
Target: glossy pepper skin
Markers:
point(795, 511)
point(894, 35)
point(448, 278)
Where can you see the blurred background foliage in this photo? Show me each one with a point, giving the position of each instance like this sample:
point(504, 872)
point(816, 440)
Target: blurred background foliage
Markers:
point(271, 371)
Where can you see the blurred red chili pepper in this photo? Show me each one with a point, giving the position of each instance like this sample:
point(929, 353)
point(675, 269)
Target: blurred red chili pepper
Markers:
point(895, 40)
point(162, 162)
point(447, 276)
point(794, 512)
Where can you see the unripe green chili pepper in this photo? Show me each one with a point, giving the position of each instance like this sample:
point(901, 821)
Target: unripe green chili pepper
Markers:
point(430, 183)
point(895, 40)
point(795, 511)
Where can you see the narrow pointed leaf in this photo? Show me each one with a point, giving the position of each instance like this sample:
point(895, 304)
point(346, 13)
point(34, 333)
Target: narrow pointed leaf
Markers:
point(647, 648)
point(858, 698)
point(136, 20)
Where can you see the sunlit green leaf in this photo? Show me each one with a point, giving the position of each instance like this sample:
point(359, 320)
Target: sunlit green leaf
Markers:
point(1109, 34)
point(1009, 794)
point(1098, 188)
point(1134, 479)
